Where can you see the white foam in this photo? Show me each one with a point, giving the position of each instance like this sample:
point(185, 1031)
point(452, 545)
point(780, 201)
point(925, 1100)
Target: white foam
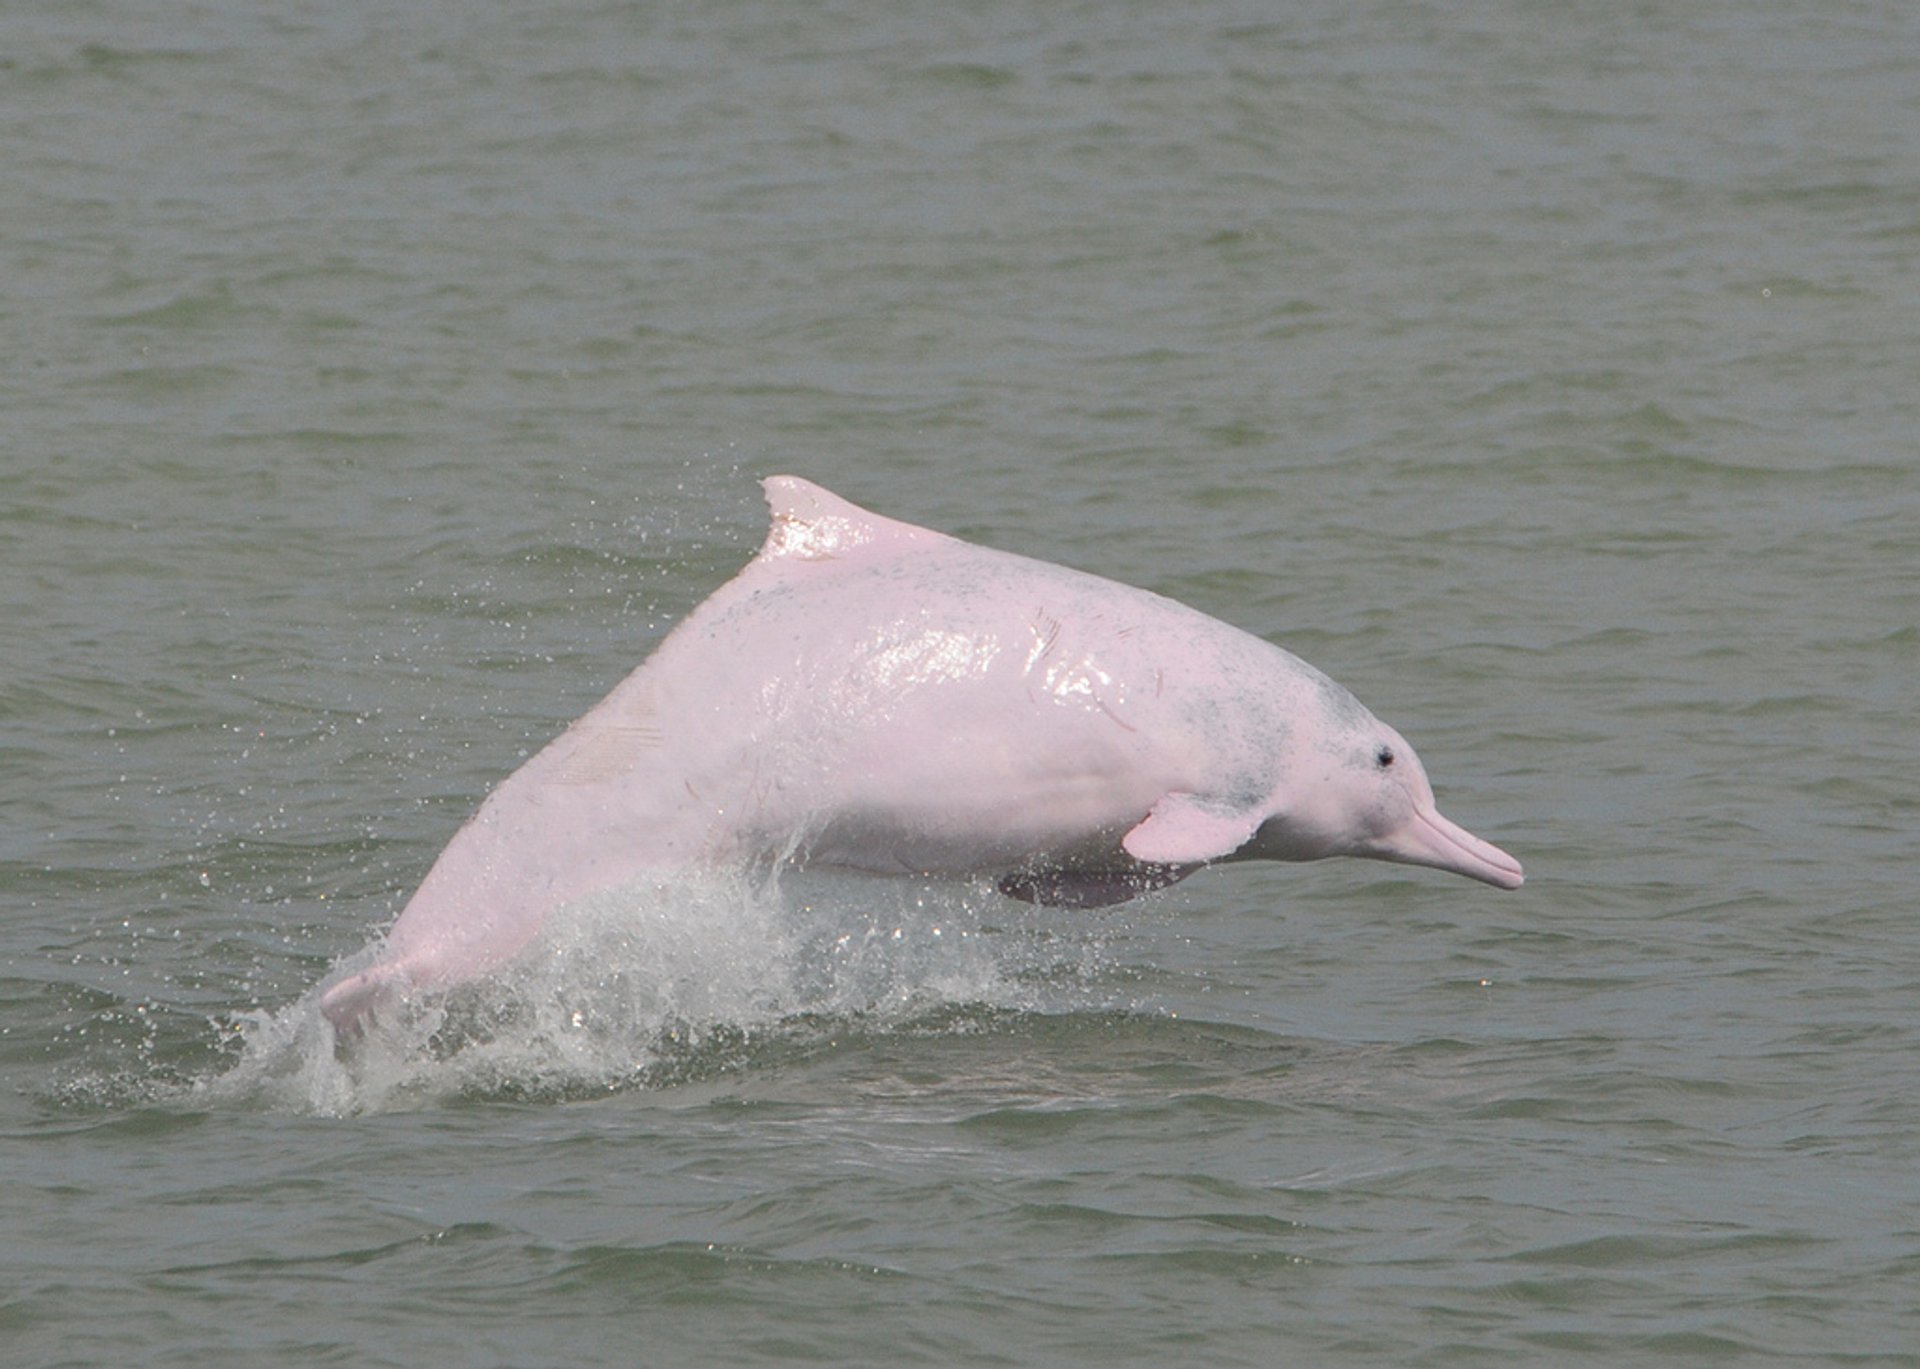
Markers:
point(654, 983)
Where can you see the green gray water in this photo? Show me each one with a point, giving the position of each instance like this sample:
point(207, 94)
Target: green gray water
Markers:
point(381, 381)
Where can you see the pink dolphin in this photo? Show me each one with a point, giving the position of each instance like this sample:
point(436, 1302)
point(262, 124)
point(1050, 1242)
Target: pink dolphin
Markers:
point(878, 696)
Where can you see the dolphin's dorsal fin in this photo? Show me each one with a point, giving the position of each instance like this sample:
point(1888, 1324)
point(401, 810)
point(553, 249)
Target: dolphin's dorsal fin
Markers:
point(810, 523)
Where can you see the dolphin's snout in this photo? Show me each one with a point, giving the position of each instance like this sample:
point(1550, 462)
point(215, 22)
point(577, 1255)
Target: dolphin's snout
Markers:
point(1431, 840)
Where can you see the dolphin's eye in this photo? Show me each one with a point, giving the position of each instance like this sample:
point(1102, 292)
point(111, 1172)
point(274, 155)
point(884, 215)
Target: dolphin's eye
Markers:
point(1383, 757)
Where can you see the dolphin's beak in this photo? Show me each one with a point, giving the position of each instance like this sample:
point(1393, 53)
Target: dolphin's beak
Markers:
point(1429, 839)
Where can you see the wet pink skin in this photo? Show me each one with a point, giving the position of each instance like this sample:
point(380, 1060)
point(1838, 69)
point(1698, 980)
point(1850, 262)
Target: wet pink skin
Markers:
point(876, 696)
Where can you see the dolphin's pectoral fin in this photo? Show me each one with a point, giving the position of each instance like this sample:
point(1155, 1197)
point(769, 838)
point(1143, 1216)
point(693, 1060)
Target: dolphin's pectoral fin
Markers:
point(1185, 829)
point(1090, 888)
point(349, 1004)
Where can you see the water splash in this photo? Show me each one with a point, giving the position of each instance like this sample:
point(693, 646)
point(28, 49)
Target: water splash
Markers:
point(659, 984)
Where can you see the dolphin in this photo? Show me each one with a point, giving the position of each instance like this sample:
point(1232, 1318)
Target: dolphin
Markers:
point(876, 696)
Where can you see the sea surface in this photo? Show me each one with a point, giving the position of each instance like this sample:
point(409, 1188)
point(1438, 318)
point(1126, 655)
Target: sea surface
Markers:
point(380, 382)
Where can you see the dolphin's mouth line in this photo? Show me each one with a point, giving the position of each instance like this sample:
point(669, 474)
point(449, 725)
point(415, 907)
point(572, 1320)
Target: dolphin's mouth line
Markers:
point(1447, 846)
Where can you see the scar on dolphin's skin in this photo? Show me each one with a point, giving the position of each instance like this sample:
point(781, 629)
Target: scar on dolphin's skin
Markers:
point(1075, 740)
